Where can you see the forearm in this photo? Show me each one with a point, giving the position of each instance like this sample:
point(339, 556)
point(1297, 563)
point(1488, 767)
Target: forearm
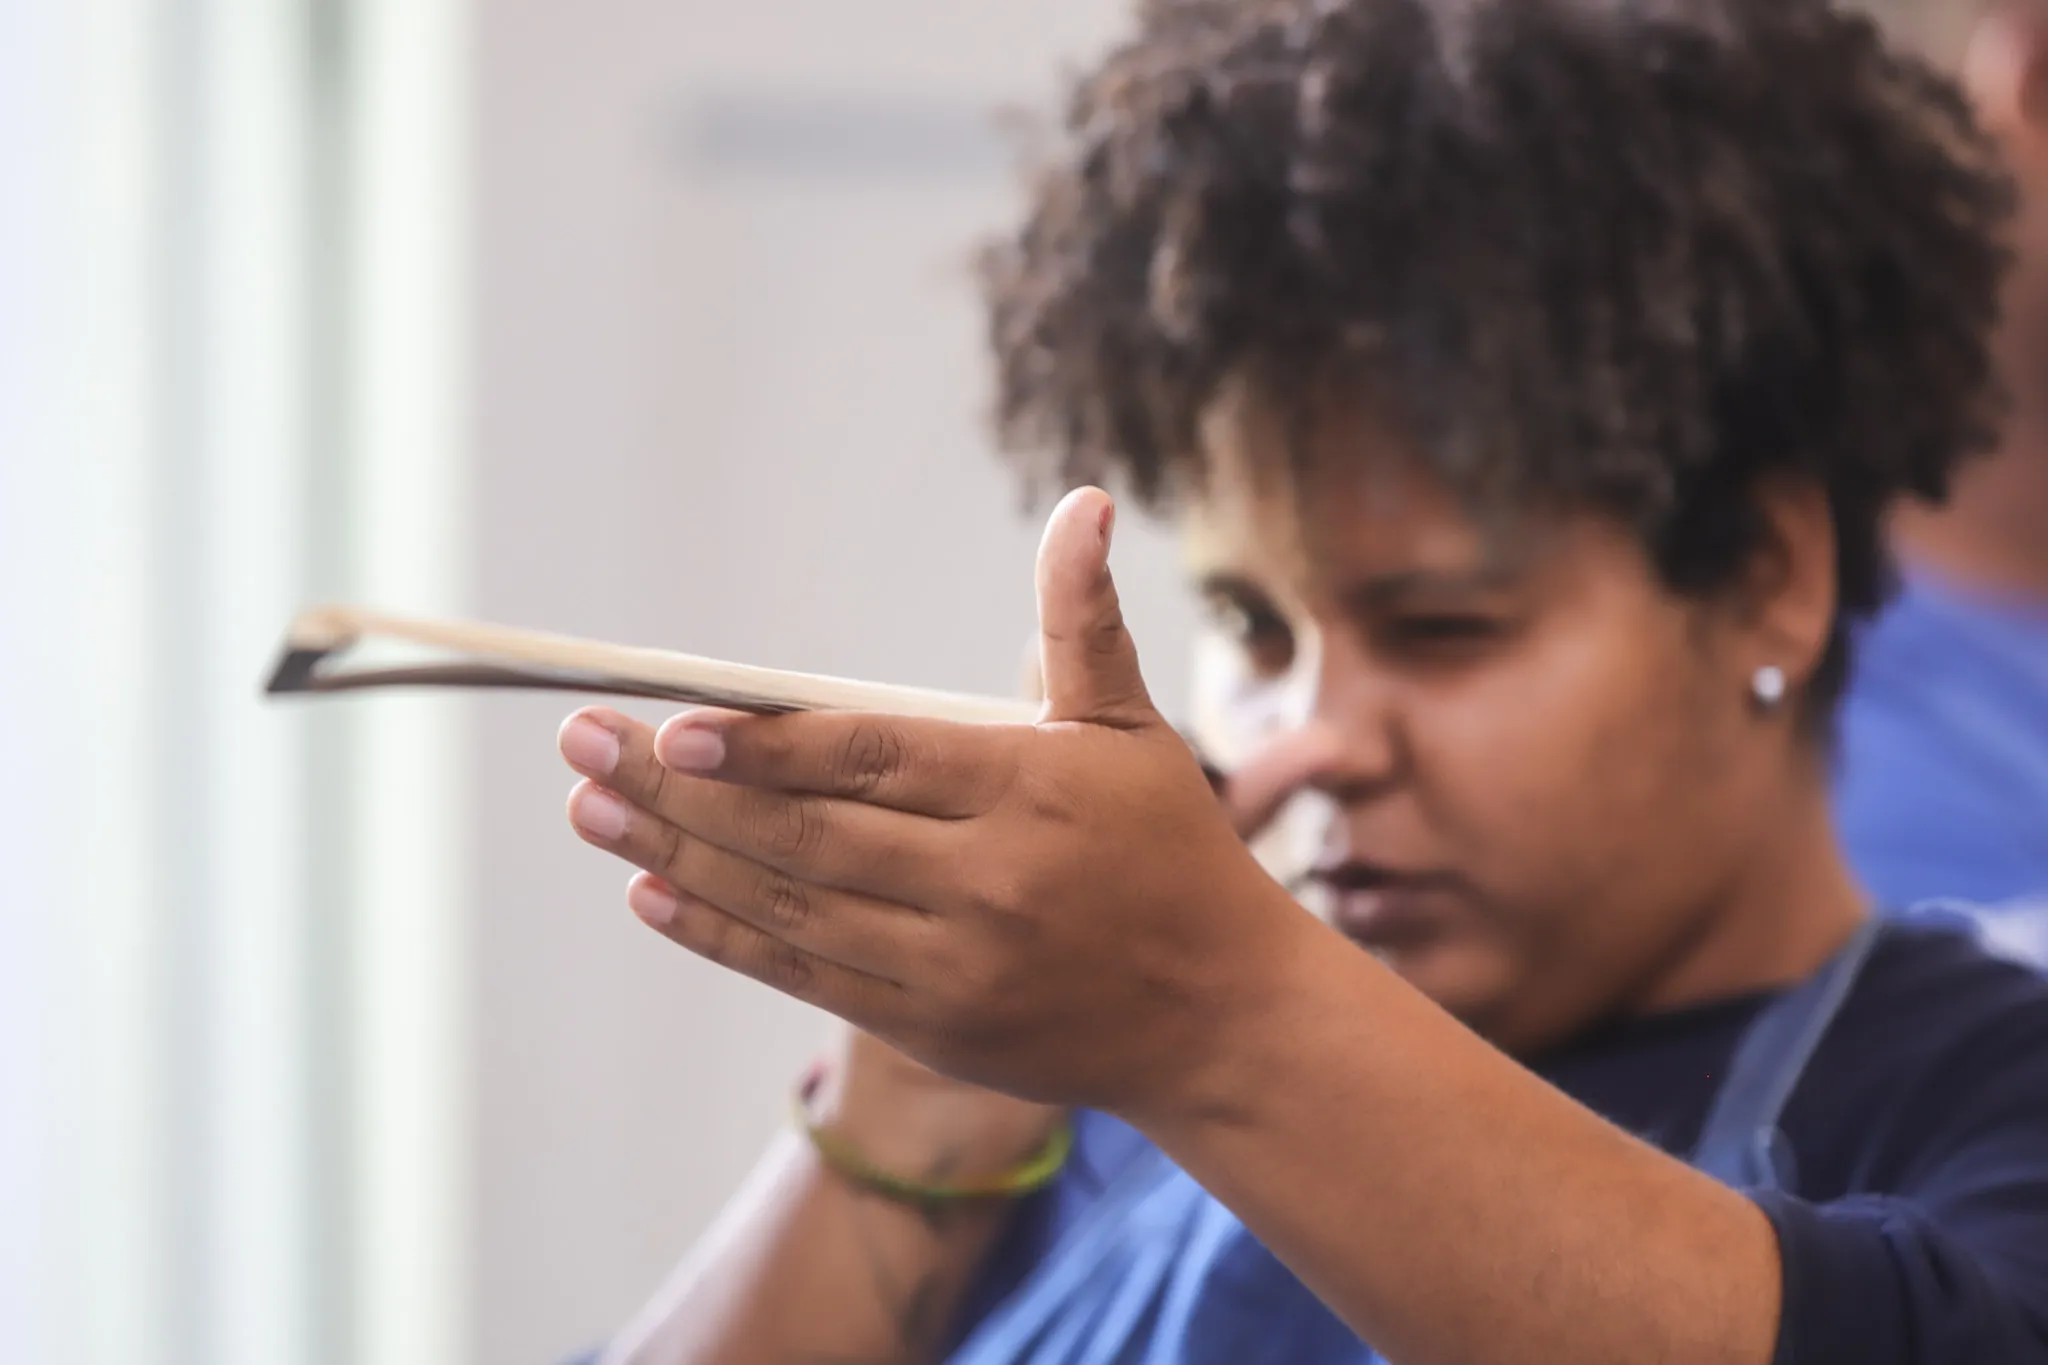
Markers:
point(804, 1268)
point(1452, 1207)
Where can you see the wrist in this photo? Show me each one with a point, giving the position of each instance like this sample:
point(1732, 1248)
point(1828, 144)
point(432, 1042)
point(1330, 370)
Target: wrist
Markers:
point(925, 1127)
point(1253, 1025)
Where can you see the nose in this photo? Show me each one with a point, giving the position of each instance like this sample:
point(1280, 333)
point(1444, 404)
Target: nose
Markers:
point(1327, 725)
point(1351, 708)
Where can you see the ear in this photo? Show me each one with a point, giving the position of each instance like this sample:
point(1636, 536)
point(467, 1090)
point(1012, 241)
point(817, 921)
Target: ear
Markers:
point(2005, 72)
point(1789, 593)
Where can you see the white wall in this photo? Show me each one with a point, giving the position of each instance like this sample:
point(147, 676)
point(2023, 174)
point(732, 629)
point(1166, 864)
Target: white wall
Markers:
point(727, 400)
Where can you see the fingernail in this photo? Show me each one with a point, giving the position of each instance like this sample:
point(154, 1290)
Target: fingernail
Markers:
point(652, 902)
point(689, 748)
point(1108, 527)
point(588, 746)
point(599, 814)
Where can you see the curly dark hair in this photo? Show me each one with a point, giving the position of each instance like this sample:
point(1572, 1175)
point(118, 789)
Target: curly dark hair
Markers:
point(1629, 255)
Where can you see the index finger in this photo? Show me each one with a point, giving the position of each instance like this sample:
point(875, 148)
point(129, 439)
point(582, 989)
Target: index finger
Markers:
point(943, 769)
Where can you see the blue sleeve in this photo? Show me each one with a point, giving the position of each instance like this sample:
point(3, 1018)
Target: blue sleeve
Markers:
point(1953, 1273)
point(1103, 1149)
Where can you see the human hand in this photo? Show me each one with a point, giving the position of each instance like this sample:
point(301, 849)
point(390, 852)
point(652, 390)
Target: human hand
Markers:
point(1063, 912)
point(1255, 793)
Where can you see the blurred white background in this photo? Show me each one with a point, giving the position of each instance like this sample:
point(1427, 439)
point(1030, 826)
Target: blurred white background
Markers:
point(322, 1042)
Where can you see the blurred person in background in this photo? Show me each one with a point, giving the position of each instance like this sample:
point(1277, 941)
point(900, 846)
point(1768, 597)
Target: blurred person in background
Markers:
point(1943, 790)
point(1532, 379)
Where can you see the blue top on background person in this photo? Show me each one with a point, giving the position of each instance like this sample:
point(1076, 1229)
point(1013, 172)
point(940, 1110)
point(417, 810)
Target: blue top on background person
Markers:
point(1531, 379)
point(1943, 789)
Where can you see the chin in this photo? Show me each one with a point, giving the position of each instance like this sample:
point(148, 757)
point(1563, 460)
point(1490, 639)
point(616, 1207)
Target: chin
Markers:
point(1467, 980)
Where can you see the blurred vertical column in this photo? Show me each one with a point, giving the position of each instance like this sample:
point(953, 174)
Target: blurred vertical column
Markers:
point(241, 362)
point(92, 1047)
point(31, 43)
point(409, 175)
point(328, 319)
point(231, 936)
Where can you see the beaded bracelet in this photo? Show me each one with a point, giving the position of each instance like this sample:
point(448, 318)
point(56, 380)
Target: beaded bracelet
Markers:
point(846, 1161)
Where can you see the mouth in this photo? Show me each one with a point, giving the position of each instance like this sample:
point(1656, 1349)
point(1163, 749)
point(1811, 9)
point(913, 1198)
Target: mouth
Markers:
point(1385, 909)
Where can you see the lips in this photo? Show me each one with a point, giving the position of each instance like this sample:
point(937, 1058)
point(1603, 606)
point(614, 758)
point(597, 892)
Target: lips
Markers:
point(1387, 909)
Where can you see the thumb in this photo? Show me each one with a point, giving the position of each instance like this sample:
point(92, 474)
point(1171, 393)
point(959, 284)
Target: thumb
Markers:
point(1090, 664)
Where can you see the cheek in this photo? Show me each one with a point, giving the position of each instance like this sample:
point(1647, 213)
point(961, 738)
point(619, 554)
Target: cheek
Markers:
point(1580, 802)
point(1565, 777)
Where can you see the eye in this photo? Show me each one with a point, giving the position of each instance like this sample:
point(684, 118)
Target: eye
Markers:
point(1446, 627)
point(1257, 630)
point(1443, 632)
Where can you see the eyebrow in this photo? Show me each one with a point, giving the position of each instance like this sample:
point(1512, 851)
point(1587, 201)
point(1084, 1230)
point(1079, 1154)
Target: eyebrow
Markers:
point(1380, 591)
point(1385, 590)
point(1223, 583)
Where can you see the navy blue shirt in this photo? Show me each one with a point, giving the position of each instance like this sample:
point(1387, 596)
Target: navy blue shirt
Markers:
point(1914, 1230)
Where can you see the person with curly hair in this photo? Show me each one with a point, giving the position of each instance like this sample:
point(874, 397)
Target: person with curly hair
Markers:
point(1531, 379)
point(1943, 791)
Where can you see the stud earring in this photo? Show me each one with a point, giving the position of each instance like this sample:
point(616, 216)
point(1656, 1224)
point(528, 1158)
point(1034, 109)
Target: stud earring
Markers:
point(1767, 685)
